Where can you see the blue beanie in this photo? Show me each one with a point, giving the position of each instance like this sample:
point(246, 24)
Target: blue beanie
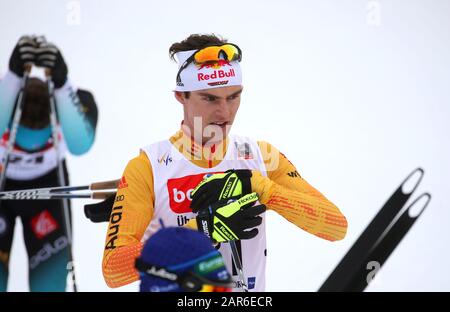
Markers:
point(179, 249)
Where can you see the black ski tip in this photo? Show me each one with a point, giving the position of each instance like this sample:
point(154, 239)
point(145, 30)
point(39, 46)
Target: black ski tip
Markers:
point(416, 208)
point(412, 181)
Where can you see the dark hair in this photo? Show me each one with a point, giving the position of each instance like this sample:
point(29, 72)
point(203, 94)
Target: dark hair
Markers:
point(195, 42)
point(36, 110)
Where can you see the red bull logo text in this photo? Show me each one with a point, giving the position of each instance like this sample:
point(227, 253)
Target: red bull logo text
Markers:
point(216, 74)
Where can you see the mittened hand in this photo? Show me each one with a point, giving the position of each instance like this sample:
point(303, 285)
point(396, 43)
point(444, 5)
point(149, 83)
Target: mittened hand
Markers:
point(219, 186)
point(49, 56)
point(235, 220)
point(24, 53)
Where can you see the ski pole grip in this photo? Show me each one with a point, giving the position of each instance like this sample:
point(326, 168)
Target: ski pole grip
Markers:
point(103, 195)
point(105, 185)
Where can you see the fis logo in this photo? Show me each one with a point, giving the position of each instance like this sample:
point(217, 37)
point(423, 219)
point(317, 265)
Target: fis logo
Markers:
point(165, 159)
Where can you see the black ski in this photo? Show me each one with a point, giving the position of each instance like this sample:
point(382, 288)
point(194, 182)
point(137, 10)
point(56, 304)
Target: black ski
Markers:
point(389, 240)
point(345, 271)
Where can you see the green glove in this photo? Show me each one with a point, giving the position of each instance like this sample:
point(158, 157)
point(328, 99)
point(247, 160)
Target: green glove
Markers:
point(224, 221)
point(219, 186)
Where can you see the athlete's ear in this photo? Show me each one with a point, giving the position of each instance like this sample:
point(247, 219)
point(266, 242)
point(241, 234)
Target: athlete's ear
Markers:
point(180, 97)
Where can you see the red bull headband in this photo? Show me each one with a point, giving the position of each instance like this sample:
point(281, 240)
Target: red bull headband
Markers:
point(210, 67)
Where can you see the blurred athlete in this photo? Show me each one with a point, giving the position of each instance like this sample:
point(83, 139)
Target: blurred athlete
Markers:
point(181, 259)
point(33, 161)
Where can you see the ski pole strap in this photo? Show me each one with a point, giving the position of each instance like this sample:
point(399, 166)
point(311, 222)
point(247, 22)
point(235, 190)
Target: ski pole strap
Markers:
point(205, 221)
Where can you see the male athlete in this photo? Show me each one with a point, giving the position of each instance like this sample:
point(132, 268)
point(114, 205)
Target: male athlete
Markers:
point(33, 162)
point(243, 177)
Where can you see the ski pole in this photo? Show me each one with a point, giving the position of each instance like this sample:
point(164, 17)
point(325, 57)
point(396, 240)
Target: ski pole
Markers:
point(37, 195)
point(238, 264)
point(61, 191)
point(61, 177)
point(236, 259)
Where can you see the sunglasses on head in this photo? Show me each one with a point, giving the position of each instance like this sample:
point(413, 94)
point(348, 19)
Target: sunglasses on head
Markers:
point(228, 52)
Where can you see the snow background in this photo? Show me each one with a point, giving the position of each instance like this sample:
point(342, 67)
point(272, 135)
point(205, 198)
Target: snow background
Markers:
point(356, 94)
